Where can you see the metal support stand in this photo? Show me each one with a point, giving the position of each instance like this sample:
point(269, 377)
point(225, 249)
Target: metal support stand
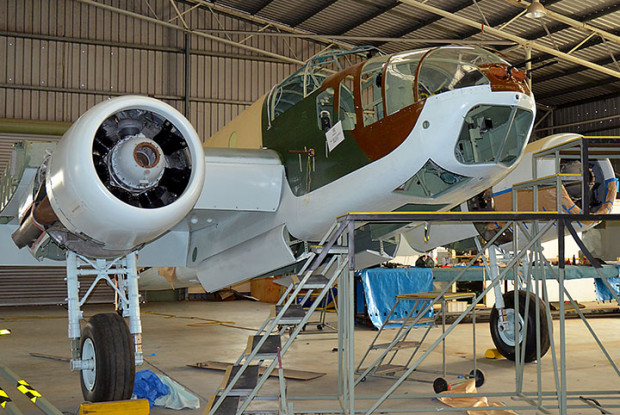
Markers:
point(128, 298)
point(530, 278)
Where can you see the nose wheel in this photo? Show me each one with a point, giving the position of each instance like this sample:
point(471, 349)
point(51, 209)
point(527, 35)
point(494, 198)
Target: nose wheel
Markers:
point(503, 332)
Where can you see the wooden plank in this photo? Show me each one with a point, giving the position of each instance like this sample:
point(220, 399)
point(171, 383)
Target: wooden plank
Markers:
point(288, 373)
point(229, 406)
point(383, 369)
point(397, 346)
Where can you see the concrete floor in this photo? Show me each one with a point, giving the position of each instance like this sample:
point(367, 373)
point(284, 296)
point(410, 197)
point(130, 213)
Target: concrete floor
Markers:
point(171, 343)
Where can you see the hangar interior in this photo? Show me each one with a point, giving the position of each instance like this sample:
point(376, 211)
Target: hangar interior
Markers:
point(211, 60)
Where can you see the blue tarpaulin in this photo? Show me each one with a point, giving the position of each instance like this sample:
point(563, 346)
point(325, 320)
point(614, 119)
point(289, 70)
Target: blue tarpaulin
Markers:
point(382, 285)
point(602, 293)
point(148, 386)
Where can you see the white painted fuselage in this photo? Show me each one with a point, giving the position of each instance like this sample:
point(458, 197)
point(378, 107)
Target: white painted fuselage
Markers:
point(216, 234)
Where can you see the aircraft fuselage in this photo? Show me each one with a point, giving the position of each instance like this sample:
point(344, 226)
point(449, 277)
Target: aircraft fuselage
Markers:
point(429, 127)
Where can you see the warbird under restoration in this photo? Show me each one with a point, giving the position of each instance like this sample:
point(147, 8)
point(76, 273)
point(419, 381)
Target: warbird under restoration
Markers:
point(420, 130)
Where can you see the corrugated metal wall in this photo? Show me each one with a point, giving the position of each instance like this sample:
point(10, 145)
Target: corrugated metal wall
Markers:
point(45, 286)
point(61, 57)
point(603, 111)
point(58, 58)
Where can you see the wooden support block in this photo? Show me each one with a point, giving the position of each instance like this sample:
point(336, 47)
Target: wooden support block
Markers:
point(288, 373)
point(131, 407)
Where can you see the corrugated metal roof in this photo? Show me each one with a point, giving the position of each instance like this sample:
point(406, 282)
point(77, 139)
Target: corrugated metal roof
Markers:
point(390, 18)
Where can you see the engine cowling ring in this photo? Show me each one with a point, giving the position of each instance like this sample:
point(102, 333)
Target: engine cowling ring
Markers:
point(99, 215)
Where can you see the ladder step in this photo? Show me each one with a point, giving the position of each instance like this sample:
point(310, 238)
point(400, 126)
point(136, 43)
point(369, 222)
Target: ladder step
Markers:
point(245, 384)
point(383, 369)
point(316, 282)
point(397, 346)
point(263, 405)
point(228, 407)
point(293, 315)
point(269, 349)
point(408, 321)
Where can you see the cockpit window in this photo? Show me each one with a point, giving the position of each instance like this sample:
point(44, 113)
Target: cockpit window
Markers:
point(346, 106)
point(292, 91)
point(492, 133)
point(310, 77)
point(450, 68)
point(372, 98)
point(431, 181)
point(325, 109)
point(400, 80)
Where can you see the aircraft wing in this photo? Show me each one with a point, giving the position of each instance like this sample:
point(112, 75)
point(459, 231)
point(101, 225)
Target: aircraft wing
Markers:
point(237, 180)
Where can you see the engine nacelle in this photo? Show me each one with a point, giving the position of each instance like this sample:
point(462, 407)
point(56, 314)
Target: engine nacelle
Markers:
point(126, 171)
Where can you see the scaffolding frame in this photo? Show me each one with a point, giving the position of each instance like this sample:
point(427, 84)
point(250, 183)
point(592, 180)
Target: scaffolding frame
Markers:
point(559, 398)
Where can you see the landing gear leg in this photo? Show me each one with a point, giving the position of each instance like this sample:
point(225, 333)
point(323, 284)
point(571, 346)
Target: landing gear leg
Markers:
point(504, 314)
point(105, 352)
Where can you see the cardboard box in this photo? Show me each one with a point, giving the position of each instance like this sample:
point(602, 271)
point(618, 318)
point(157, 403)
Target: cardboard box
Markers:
point(265, 290)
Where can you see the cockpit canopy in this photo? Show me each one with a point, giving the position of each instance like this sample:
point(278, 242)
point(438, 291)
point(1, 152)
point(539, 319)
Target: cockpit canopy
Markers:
point(409, 77)
point(412, 76)
point(310, 77)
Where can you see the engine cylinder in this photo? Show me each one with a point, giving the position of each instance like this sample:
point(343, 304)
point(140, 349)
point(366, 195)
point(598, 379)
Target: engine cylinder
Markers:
point(126, 171)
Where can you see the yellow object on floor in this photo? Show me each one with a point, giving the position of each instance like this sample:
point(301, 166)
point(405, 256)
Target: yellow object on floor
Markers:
point(474, 401)
point(493, 354)
point(4, 332)
point(133, 407)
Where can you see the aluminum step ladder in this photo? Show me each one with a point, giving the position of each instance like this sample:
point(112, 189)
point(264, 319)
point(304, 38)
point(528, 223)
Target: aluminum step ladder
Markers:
point(384, 364)
point(421, 304)
point(242, 383)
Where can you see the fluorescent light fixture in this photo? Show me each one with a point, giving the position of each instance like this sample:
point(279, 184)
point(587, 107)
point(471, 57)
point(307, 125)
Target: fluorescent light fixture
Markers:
point(535, 10)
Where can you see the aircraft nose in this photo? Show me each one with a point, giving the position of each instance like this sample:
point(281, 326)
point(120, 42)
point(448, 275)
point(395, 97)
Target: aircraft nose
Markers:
point(493, 133)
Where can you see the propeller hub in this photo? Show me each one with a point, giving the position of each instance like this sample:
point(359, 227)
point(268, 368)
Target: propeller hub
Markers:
point(137, 163)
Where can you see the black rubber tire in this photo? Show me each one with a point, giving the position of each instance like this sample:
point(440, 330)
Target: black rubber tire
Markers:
point(115, 365)
point(508, 351)
point(478, 375)
point(440, 385)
